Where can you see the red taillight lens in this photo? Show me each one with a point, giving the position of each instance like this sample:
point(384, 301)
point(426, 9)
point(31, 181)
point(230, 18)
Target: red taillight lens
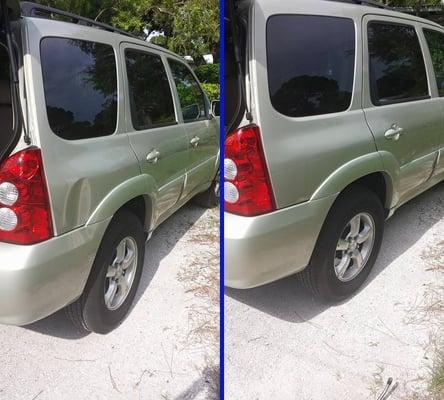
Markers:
point(25, 216)
point(247, 188)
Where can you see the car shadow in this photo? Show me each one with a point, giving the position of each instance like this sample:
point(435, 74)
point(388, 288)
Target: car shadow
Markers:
point(288, 300)
point(163, 241)
point(207, 384)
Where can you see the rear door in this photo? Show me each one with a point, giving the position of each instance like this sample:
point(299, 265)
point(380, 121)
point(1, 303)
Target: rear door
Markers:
point(155, 134)
point(401, 110)
point(201, 128)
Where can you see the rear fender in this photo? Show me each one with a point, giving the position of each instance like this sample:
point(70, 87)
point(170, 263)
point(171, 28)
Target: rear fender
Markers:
point(141, 185)
point(358, 168)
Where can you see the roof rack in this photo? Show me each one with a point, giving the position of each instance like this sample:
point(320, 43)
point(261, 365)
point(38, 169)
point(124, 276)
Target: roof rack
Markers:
point(29, 9)
point(370, 3)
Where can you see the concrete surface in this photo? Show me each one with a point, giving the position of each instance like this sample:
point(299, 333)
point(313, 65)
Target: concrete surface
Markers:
point(282, 344)
point(166, 349)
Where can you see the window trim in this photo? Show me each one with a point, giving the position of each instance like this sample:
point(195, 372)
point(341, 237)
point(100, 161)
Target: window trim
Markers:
point(207, 112)
point(149, 53)
point(407, 99)
point(118, 88)
point(355, 65)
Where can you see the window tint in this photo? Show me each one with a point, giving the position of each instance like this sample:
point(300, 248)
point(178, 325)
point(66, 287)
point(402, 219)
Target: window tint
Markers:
point(150, 93)
point(6, 112)
point(397, 69)
point(310, 64)
point(80, 84)
point(190, 94)
point(435, 41)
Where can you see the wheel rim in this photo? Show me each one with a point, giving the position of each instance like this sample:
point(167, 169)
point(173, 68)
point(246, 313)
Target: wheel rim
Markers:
point(120, 273)
point(354, 247)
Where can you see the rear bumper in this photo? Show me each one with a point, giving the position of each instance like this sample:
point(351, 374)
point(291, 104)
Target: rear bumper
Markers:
point(263, 249)
point(37, 280)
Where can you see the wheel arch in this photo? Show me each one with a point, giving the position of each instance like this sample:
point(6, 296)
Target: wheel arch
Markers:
point(136, 195)
point(367, 170)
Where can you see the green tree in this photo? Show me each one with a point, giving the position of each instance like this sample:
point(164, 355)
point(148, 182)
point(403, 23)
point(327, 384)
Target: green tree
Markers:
point(208, 73)
point(190, 27)
point(417, 5)
point(212, 90)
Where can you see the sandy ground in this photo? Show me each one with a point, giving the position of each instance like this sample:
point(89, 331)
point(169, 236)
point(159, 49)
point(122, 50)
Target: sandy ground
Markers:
point(282, 344)
point(166, 349)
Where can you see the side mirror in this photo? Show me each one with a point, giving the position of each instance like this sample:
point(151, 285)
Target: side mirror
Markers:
point(215, 108)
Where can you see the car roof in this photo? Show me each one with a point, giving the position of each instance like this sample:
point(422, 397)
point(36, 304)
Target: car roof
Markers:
point(96, 32)
point(338, 7)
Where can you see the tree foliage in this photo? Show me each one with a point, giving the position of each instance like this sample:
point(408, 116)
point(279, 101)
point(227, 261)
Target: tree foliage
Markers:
point(190, 27)
point(208, 73)
point(417, 5)
point(212, 90)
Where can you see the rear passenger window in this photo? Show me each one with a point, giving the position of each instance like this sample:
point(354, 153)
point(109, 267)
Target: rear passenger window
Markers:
point(310, 64)
point(435, 41)
point(397, 69)
point(192, 100)
point(80, 85)
point(149, 91)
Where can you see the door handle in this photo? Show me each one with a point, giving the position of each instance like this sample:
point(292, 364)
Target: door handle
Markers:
point(394, 133)
point(195, 141)
point(153, 156)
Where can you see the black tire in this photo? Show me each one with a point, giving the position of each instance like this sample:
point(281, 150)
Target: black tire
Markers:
point(210, 198)
point(90, 312)
point(320, 276)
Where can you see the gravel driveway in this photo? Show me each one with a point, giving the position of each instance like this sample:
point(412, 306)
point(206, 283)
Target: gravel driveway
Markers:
point(166, 349)
point(282, 344)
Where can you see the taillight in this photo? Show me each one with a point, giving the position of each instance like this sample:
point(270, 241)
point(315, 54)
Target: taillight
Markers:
point(247, 187)
point(25, 216)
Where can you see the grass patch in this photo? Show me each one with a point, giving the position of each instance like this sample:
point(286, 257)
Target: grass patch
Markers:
point(437, 383)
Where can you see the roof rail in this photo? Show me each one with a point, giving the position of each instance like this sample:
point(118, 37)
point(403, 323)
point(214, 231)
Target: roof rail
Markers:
point(29, 9)
point(370, 3)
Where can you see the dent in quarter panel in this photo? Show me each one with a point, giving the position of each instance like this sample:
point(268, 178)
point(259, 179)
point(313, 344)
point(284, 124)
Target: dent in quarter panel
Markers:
point(90, 170)
point(303, 153)
point(141, 185)
point(78, 201)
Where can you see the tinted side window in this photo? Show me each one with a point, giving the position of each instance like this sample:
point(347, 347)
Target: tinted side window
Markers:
point(190, 94)
point(435, 41)
point(150, 93)
point(397, 69)
point(80, 84)
point(310, 64)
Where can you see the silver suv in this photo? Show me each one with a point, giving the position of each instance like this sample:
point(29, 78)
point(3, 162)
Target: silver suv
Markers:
point(104, 137)
point(334, 115)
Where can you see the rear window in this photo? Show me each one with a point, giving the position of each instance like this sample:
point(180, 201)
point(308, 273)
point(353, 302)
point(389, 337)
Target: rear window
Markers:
point(150, 94)
point(435, 41)
point(310, 64)
point(192, 100)
point(80, 84)
point(397, 69)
